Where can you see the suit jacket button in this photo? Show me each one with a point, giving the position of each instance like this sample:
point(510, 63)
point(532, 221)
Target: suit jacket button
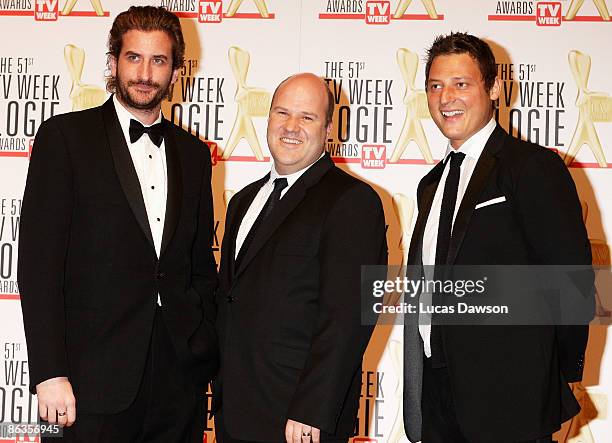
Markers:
point(160, 275)
point(230, 299)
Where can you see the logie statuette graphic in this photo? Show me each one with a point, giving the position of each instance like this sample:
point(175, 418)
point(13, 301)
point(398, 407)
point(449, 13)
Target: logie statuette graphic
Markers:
point(235, 4)
point(403, 5)
point(96, 4)
point(251, 102)
point(82, 96)
point(575, 5)
point(416, 109)
point(592, 107)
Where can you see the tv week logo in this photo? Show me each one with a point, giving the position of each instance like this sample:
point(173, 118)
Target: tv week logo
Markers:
point(46, 10)
point(378, 13)
point(548, 14)
point(210, 11)
point(373, 156)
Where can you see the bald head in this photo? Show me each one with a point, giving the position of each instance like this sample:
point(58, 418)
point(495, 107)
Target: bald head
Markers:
point(315, 82)
point(299, 122)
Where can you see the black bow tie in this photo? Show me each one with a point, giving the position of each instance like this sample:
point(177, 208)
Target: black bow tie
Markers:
point(155, 132)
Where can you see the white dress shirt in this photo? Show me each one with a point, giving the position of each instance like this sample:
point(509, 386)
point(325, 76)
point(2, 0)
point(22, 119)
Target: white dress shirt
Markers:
point(260, 200)
point(472, 148)
point(150, 164)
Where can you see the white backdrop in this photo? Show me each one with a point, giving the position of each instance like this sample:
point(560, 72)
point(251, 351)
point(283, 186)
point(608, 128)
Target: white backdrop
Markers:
point(52, 61)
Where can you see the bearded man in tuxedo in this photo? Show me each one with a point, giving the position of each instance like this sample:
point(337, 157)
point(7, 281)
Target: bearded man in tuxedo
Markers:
point(115, 263)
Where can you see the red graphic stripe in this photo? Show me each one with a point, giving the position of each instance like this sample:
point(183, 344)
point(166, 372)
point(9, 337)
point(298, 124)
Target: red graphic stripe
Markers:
point(587, 165)
point(418, 17)
point(17, 13)
point(184, 14)
point(247, 15)
point(403, 161)
point(512, 18)
point(531, 18)
point(588, 18)
point(72, 14)
point(85, 14)
point(344, 160)
point(413, 161)
point(329, 16)
point(14, 154)
point(243, 158)
point(9, 297)
point(251, 15)
point(326, 16)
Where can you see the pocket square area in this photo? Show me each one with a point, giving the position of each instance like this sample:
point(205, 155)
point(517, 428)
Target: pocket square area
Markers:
point(491, 202)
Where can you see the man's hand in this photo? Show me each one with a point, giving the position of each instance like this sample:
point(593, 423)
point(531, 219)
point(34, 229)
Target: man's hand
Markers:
point(296, 432)
point(56, 402)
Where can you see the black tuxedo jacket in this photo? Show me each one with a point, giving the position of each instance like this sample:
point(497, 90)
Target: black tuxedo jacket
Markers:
point(510, 383)
point(288, 320)
point(88, 271)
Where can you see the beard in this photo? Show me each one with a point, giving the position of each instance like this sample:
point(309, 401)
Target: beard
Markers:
point(132, 100)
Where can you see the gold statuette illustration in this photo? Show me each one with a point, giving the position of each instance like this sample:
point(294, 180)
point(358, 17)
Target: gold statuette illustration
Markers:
point(82, 96)
point(404, 209)
point(235, 4)
point(403, 5)
point(396, 352)
point(252, 102)
point(416, 109)
point(592, 106)
point(96, 4)
point(575, 5)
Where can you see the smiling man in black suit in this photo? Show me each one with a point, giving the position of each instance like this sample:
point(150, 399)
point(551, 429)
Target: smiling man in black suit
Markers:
point(493, 200)
point(115, 263)
point(289, 318)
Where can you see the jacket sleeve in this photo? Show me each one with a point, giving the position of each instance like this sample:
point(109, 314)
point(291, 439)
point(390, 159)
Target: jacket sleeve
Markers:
point(204, 270)
point(551, 217)
point(353, 236)
point(203, 342)
point(43, 244)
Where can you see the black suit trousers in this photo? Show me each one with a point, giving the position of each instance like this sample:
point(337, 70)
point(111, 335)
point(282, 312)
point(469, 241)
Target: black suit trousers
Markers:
point(165, 410)
point(439, 418)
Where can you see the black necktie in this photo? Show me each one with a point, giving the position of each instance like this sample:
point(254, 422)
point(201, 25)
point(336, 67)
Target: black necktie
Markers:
point(445, 225)
point(279, 185)
point(155, 132)
point(447, 210)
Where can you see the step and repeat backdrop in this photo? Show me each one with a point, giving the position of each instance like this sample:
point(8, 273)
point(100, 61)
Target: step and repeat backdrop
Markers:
point(554, 63)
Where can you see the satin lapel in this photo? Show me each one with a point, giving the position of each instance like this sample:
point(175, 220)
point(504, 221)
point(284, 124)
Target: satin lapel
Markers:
point(240, 210)
point(284, 207)
point(125, 168)
point(175, 186)
point(430, 184)
point(479, 179)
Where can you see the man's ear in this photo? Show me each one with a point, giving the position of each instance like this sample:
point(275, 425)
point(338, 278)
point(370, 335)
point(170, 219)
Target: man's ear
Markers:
point(113, 65)
point(495, 89)
point(175, 73)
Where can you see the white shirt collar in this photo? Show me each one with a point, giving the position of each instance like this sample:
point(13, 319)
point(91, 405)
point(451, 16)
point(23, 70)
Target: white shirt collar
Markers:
point(291, 178)
point(125, 116)
point(474, 145)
